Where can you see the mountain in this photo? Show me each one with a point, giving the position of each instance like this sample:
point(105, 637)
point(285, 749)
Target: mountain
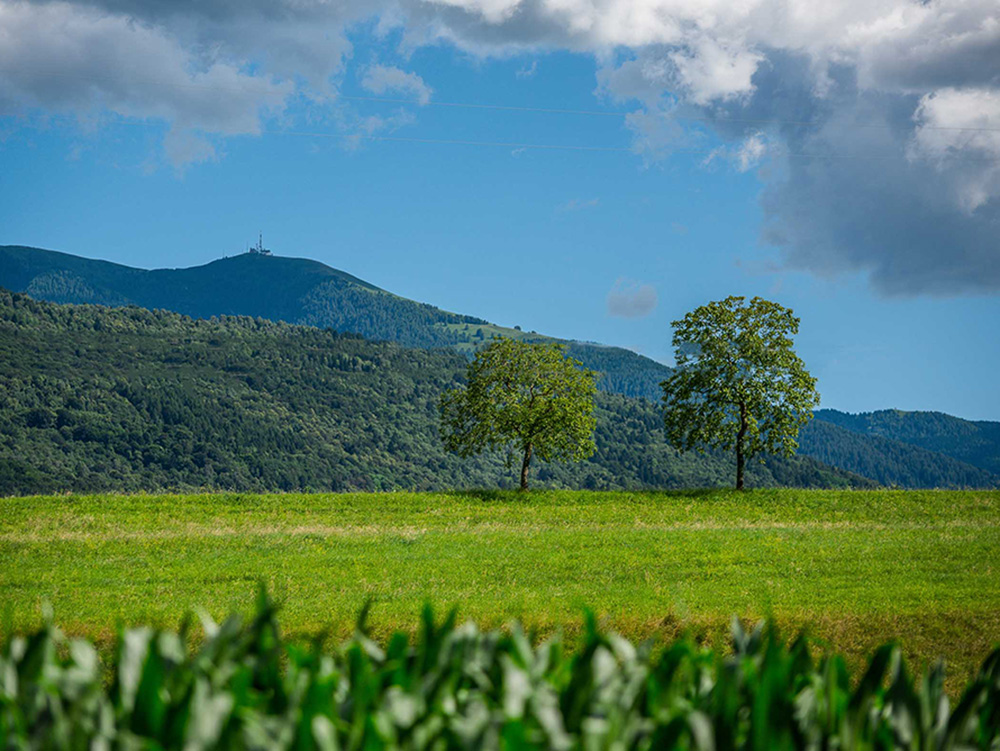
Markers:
point(887, 461)
point(908, 449)
point(975, 443)
point(293, 290)
point(94, 399)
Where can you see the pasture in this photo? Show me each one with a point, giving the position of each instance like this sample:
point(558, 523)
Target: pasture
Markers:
point(855, 567)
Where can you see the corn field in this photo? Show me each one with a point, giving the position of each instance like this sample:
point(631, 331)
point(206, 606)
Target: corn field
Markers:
point(456, 687)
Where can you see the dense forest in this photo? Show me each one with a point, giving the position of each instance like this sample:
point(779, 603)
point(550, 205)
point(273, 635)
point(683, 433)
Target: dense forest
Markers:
point(887, 461)
point(976, 443)
point(95, 398)
point(293, 290)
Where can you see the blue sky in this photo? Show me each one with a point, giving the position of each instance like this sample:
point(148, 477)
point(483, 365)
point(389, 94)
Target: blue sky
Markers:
point(609, 244)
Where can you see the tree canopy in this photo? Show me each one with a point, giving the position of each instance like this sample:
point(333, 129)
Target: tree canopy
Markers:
point(525, 397)
point(738, 384)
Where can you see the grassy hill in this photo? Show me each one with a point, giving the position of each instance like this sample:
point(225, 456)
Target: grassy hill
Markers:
point(95, 398)
point(293, 290)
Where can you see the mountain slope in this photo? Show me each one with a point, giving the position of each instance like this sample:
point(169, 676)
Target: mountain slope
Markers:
point(95, 398)
point(976, 443)
point(887, 461)
point(293, 290)
point(905, 449)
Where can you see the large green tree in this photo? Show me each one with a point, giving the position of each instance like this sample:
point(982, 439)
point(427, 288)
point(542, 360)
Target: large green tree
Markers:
point(738, 384)
point(524, 397)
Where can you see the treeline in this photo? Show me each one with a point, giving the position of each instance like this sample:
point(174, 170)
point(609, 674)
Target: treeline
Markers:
point(96, 399)
point(919, 449)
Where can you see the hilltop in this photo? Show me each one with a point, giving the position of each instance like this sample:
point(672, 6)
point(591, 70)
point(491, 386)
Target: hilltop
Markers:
point(294, 290)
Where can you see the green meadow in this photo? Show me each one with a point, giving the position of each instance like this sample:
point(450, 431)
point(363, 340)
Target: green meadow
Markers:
point(854, 567)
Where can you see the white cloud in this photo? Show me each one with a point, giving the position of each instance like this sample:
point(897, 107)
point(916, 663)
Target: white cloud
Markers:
point(630, 299)
point(183, 147)
point(527, 71)
point(958, 130)
point(383, 79)
point(579, 204)
point(358, 129)
point(63, 58)
point(656, 134)
point(744, 156)
point(710, 71)
point(750, 152)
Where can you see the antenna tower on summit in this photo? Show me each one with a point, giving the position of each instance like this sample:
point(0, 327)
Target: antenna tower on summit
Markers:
point(259, 248)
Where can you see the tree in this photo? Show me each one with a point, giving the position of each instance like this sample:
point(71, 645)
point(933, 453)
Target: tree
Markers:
point(525, 397)
point(738, 384)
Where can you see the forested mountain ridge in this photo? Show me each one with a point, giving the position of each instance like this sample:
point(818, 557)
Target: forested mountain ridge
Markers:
point(293, 290)
point(95, 398)
point(976, 443)
point(887, 461)
point(915, 449)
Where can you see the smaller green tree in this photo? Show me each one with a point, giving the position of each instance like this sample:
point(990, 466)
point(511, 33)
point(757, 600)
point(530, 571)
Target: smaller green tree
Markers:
point(525, 397)
point(738, 384)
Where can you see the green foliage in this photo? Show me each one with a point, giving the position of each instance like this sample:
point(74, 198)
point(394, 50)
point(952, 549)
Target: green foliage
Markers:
point(456, 687)
point(127, 399)
point(526, 397)
point(738, 384)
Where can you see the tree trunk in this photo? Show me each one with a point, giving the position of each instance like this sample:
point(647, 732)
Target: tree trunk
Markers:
point(740, 459)
point(524, 467)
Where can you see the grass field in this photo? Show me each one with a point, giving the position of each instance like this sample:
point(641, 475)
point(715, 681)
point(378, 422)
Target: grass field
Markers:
point(857, 567)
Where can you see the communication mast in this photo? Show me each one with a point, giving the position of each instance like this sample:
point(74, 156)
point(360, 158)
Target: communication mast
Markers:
point(259, 248)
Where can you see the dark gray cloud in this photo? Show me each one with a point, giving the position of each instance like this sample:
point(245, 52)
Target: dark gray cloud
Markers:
point(887, 183)
point(859, 191)
point(873, 209)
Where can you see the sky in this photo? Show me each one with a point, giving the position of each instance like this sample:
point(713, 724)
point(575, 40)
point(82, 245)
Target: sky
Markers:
point(589, 169)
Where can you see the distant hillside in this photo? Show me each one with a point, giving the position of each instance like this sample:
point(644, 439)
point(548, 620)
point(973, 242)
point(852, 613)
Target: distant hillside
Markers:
point(887, 461)
point(915, 449)
point(975, 443)
point(95, 398)
point(293, 290)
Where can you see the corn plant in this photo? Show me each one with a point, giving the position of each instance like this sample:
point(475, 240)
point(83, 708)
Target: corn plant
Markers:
point(456, 687)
